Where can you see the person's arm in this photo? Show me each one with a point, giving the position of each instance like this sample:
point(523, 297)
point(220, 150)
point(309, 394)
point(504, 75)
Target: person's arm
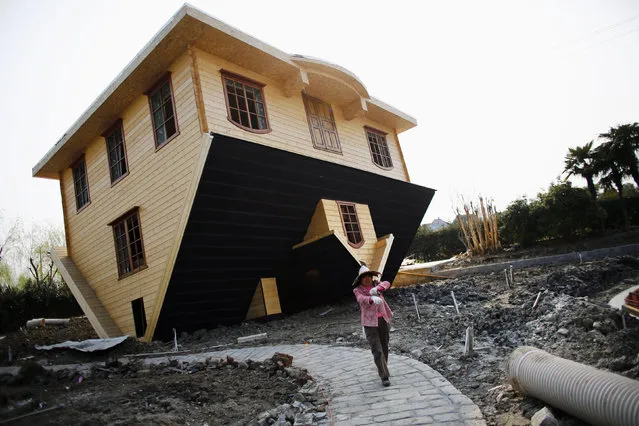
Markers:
point(382, 286)
point(361, 297)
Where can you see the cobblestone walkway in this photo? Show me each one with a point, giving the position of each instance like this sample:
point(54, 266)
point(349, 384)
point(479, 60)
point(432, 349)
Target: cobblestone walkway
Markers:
point(418, 394)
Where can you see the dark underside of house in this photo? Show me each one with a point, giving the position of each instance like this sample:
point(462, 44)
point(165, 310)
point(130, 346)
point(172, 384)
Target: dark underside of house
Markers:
point(253, 204)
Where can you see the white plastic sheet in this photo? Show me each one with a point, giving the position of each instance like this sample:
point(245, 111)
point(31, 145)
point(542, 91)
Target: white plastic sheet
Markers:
point(90, 345)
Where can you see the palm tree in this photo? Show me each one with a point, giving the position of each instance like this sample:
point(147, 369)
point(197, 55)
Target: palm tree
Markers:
point(610, 166)
point(624, 141)
point(580, 161)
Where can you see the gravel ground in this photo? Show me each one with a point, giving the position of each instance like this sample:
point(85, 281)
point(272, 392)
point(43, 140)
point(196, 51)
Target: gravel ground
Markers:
point(572, 320)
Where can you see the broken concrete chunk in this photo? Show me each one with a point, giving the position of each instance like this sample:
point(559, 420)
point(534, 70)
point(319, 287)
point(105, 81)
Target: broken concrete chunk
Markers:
point(303, 420)
point(563, 331)
point(253, 338)
point(544, 417)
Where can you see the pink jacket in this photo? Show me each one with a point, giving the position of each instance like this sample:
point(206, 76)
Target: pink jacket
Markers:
point(368, 308)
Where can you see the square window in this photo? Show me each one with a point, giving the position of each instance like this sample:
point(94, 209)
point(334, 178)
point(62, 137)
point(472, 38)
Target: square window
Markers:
point(245, 103)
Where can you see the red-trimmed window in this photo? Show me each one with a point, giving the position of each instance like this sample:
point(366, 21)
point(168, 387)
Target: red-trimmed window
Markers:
point(351, 224)
point(163, 112)
point(81, 184)
point(245, 103)
point(379, 148)
point(116, 152)
point(321, 123)
point(129, 248)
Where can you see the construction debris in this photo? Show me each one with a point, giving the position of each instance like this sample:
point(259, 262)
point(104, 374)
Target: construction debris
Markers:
point(544, 417)
point(41, 322)
point(91, 345)
point(253, 338)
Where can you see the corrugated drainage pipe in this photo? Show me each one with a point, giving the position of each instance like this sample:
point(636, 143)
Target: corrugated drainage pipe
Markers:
point(595, 396)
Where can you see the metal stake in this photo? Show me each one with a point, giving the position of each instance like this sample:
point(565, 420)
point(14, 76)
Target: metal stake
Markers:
point(416, 310)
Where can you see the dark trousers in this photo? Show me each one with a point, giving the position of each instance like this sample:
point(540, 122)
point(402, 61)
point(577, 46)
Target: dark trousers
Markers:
point(378, 340)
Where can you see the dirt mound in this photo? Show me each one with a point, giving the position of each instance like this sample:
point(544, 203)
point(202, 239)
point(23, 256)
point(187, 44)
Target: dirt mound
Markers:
point(216, 392)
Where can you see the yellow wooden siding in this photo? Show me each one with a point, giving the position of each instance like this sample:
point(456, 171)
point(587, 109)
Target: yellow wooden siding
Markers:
point(289, 125)
point(84, 294)
point(271, 296)
point(382, 250)
point(364, 253)
point(257, 308)
point(318, 225)
point(158, 182)
point(266, 299)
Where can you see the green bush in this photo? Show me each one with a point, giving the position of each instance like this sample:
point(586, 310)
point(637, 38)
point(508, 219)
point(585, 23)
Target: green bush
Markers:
point(435, 245)
point(614, 215)
point(566, 212)
point(29, 300)
point(518, 223)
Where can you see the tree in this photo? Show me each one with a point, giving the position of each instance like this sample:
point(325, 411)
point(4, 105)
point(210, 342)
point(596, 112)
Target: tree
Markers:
point(580, 161)
point(609, 165)
point(566, 211)
point(9, 235)
point(33, 248)
point(623, 143)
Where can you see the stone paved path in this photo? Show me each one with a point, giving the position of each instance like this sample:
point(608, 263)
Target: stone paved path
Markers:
point(418, 394)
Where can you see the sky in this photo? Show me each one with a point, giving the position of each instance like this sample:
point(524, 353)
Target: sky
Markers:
point(500, 89)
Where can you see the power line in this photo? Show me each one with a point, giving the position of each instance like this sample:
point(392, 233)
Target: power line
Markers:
point(595, 32)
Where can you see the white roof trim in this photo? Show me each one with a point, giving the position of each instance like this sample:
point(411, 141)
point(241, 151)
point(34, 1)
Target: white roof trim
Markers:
point(393, 110)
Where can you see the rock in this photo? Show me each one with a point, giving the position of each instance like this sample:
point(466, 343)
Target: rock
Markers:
point(303, 420)
point(309, 388)
point(340, 340)
point(454, 368)
point(293, 372)
point(563, 331)
point(416, 353)
point(283, 360)
point(319, 416)
point(512, 419)
point(544, 417)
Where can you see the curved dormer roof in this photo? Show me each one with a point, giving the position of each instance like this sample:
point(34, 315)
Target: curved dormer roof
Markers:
point(320, 70)
point(190, 26)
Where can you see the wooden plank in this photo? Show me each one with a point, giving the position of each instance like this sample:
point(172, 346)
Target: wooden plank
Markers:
point(271, 296)
point(257, 308)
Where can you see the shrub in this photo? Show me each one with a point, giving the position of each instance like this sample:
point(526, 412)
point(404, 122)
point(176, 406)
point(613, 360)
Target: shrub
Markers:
point(566, 212)
point(434, 245)
point(518, 223)
point(31, 300)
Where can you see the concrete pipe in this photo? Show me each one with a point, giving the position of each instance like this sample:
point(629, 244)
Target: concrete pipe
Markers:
point(595, 396)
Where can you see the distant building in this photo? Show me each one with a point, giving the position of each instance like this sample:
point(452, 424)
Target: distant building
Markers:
point(437, 224)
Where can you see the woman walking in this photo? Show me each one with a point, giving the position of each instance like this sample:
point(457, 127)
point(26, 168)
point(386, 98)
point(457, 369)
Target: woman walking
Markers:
point(376, 316)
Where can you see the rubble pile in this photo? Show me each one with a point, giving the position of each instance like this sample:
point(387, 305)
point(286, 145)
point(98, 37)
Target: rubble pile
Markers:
point(572, 319)
point(227, 390)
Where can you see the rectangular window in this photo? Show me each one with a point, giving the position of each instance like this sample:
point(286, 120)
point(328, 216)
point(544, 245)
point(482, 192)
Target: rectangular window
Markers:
point(351, 224)
point(139, 316)
point(163, 113)
point(129, 248)
point(245, 103)
point(116, 153)
point(379, 148)
point(322, 125)
point(81, 184)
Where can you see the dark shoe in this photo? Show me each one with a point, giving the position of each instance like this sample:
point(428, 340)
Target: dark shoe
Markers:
point(386, 382)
